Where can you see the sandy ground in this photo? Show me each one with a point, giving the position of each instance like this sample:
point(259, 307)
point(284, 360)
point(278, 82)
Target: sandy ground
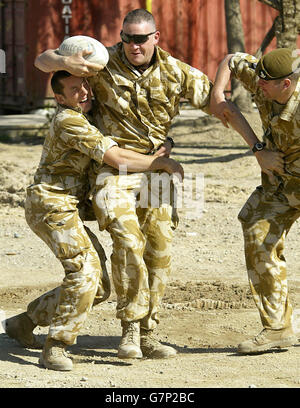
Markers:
point(208, 263)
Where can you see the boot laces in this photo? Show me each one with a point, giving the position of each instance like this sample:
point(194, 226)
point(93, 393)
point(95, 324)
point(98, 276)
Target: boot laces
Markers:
point(130, 333)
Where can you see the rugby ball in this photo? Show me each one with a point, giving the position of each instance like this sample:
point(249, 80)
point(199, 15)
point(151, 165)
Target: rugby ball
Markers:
point(72, 45)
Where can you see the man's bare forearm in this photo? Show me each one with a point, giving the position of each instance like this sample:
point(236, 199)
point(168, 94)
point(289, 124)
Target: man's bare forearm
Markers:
point(268, 160)
point(116, 157)
point(218, 103)
point(228, 113)
point(49, 61)
point(222, 78)
point(239, 123)
point(136, 162)
point(76, 64)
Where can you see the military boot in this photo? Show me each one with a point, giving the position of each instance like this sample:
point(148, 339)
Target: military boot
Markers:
point(21, 328)
point(130, 343)
point(268, 339)
point(153, 348)
point(54, 356)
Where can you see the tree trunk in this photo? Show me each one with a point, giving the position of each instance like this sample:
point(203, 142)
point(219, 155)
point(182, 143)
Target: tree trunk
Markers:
point(236, 43)
point(268, 38)
point(287, 31)
point(286, 26)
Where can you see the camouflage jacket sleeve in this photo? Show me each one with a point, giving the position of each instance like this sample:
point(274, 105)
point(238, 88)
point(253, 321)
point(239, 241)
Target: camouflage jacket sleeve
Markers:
point(242, 66)
point(196, 87)
point(75, 131)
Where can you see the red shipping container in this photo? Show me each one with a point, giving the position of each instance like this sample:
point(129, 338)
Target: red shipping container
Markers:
point(192, 30)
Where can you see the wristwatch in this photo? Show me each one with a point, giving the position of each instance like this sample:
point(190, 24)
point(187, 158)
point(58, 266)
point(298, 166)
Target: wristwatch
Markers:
point(171, 141)
point(258, 147)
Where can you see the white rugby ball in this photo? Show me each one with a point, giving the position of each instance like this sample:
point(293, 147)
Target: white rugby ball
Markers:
point(72, 45)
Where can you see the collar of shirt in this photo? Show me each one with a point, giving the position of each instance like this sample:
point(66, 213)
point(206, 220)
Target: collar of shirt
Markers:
point(291, 107)
point(62, 107)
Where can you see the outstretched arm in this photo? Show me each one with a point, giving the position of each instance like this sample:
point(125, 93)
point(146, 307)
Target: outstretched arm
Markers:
point(76, 64)
point(218, 104)
point(77, 132)
point(136, 162)
point(228, 113)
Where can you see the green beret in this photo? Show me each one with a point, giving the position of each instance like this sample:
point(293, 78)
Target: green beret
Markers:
point(277, 64)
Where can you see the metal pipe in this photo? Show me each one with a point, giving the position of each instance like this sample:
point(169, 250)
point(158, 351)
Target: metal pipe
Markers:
point(149, 5)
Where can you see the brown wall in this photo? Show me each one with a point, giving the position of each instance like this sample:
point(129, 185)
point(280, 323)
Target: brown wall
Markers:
point(192, 30)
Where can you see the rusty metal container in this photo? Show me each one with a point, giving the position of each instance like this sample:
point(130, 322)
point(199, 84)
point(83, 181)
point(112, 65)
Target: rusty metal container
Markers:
point(192, 30)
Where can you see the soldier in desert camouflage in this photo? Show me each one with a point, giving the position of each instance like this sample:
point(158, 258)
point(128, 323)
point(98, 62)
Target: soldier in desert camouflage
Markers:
point(56, 205)
point(138, 95)
point(274, 206)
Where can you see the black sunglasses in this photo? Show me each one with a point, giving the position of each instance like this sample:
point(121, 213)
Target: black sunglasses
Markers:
point(136, 38)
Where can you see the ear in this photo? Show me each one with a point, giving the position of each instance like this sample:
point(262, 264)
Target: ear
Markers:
point(286, 83)
point(59, 98)
point(156, 37)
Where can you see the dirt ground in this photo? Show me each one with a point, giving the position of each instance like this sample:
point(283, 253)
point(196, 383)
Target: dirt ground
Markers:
point(208, 263)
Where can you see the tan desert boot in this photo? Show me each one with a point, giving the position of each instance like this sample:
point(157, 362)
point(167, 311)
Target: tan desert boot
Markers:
point(20, 328)
point(130, 343)
point(153, 348)
point(268, 339)
point(54, 356)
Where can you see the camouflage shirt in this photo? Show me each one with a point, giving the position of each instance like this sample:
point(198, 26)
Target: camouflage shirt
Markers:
point(68, 150)
point(281, 123)
point(136, 108)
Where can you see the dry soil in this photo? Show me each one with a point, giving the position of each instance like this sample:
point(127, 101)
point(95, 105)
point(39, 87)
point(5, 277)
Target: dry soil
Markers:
point(208, 263)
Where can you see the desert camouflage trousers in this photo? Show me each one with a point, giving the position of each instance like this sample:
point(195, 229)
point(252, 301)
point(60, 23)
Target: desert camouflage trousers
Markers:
point(55, 219)
point(266, 219)
point(142, 236)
